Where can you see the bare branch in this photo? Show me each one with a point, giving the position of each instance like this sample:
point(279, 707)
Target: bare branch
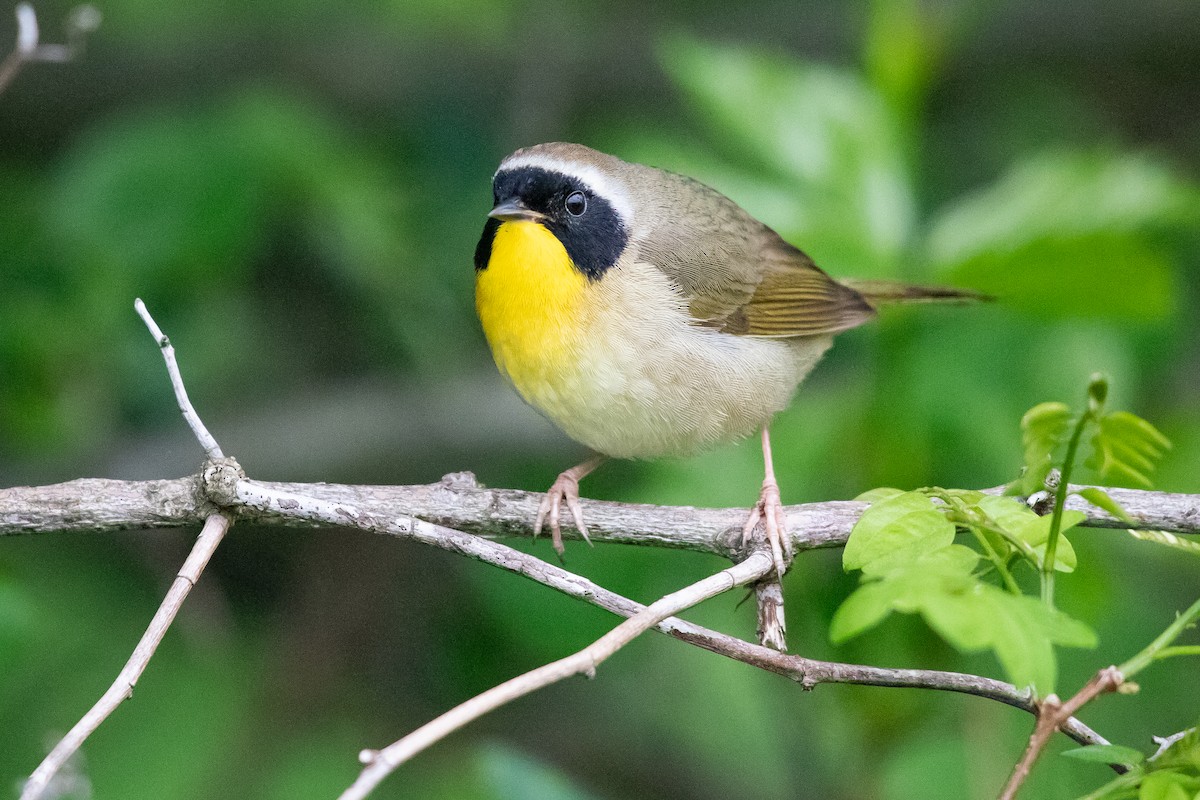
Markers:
point(122, 688)
point(218, 476)
point(156, 502)
point(1051, 716)
point(381, 763)
point(1164, 742)
point(82, 21)
point(807, 672)
point(1053, 712)
point(458, 501)
point(211, 448)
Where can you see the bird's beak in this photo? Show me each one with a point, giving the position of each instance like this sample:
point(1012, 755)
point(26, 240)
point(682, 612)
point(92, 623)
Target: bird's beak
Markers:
point(513, 210)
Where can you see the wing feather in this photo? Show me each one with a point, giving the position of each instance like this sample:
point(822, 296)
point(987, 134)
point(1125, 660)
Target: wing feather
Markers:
point(737, 274)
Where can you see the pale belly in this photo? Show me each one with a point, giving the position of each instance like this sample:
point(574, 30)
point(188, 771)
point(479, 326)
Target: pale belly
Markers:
point(639, 381)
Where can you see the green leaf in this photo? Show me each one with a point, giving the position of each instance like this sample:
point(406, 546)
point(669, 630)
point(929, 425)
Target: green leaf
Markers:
point(1023, 631)
point(1007, 512)
point(1061, 197)
point(1065, 559)
point(1004, 514)
point(960, 619)
point(1037, 531)
point(827, 132)
point(1020, 630)
point(1106, 754)
point(1011, 516)
point(1106, 276)
point(865, 608)
point(1168, 785)
point(911, 585)
point(895, 530)
point(1125, 447)
point(875, 495)
point(970, 615)
point(1044, 429)
point(1101, 499)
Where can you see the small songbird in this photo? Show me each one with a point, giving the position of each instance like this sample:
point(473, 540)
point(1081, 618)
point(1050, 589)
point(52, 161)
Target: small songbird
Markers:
point(648, 315)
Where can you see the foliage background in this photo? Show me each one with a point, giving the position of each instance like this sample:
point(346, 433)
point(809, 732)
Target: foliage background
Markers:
point(295, 188)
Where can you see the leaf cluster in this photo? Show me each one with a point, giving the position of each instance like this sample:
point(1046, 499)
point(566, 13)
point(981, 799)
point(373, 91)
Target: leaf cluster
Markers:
point(1173, 773)
point(1123, 447)
point(905, 547)
point(905, 544)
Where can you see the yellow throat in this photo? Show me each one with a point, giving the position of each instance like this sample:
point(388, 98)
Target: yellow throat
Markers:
point(530, 301)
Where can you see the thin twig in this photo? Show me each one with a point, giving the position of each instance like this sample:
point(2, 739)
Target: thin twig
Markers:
point(1051, 716)
point(122, 688)
point(381, 763)
point(1053, 713)
point(809, 673)
point(211, 448)
point(83, 20)
point(1164, 742)
point(1156, 648)
point(215, 527)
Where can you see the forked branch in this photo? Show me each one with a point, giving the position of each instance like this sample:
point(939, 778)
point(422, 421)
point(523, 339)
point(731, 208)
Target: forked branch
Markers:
point(83, 20)
point(381, 763)
point(122, 688)
point(434, 514)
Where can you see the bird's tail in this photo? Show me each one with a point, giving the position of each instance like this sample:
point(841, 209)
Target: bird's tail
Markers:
point(879, 293)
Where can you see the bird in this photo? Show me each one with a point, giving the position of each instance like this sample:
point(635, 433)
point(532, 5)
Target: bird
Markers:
point(648, 315)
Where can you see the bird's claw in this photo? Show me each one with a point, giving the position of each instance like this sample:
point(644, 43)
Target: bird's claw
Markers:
point(769, 510)
point(565, 488)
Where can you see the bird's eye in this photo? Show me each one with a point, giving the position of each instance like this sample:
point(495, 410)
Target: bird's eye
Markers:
point(576, 203)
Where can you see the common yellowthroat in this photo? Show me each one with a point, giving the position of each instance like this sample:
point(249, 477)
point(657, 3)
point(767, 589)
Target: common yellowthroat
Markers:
point(648, 315)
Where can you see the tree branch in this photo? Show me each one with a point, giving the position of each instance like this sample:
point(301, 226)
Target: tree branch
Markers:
point(174, 500)
point(83, 20)
point(383, 762)
point(805, 671)
point(122, 688)
point(458, 501)
point(433, 513)
point(206, 440)
point(1052, 714)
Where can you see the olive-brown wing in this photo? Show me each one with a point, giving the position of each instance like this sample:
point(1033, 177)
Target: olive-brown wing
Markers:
point(796, 298)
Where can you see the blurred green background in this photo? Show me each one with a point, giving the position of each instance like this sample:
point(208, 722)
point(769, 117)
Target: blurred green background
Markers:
point(296, 188)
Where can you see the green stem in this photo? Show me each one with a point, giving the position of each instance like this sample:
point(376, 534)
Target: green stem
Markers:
point(960, 515)
point(1159, 646)
point(1060, 502)
point(1179, 650)
point(990, 526)
point(1009, 582)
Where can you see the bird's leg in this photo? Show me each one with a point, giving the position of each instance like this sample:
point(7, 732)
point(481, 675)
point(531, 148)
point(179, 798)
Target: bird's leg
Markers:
point(772, 629)
point(565, 487)
point(769, 509)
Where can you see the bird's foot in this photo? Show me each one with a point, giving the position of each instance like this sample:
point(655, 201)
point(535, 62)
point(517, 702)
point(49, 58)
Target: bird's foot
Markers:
point(772, 629)
point(565, 489)
point(769, 511)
